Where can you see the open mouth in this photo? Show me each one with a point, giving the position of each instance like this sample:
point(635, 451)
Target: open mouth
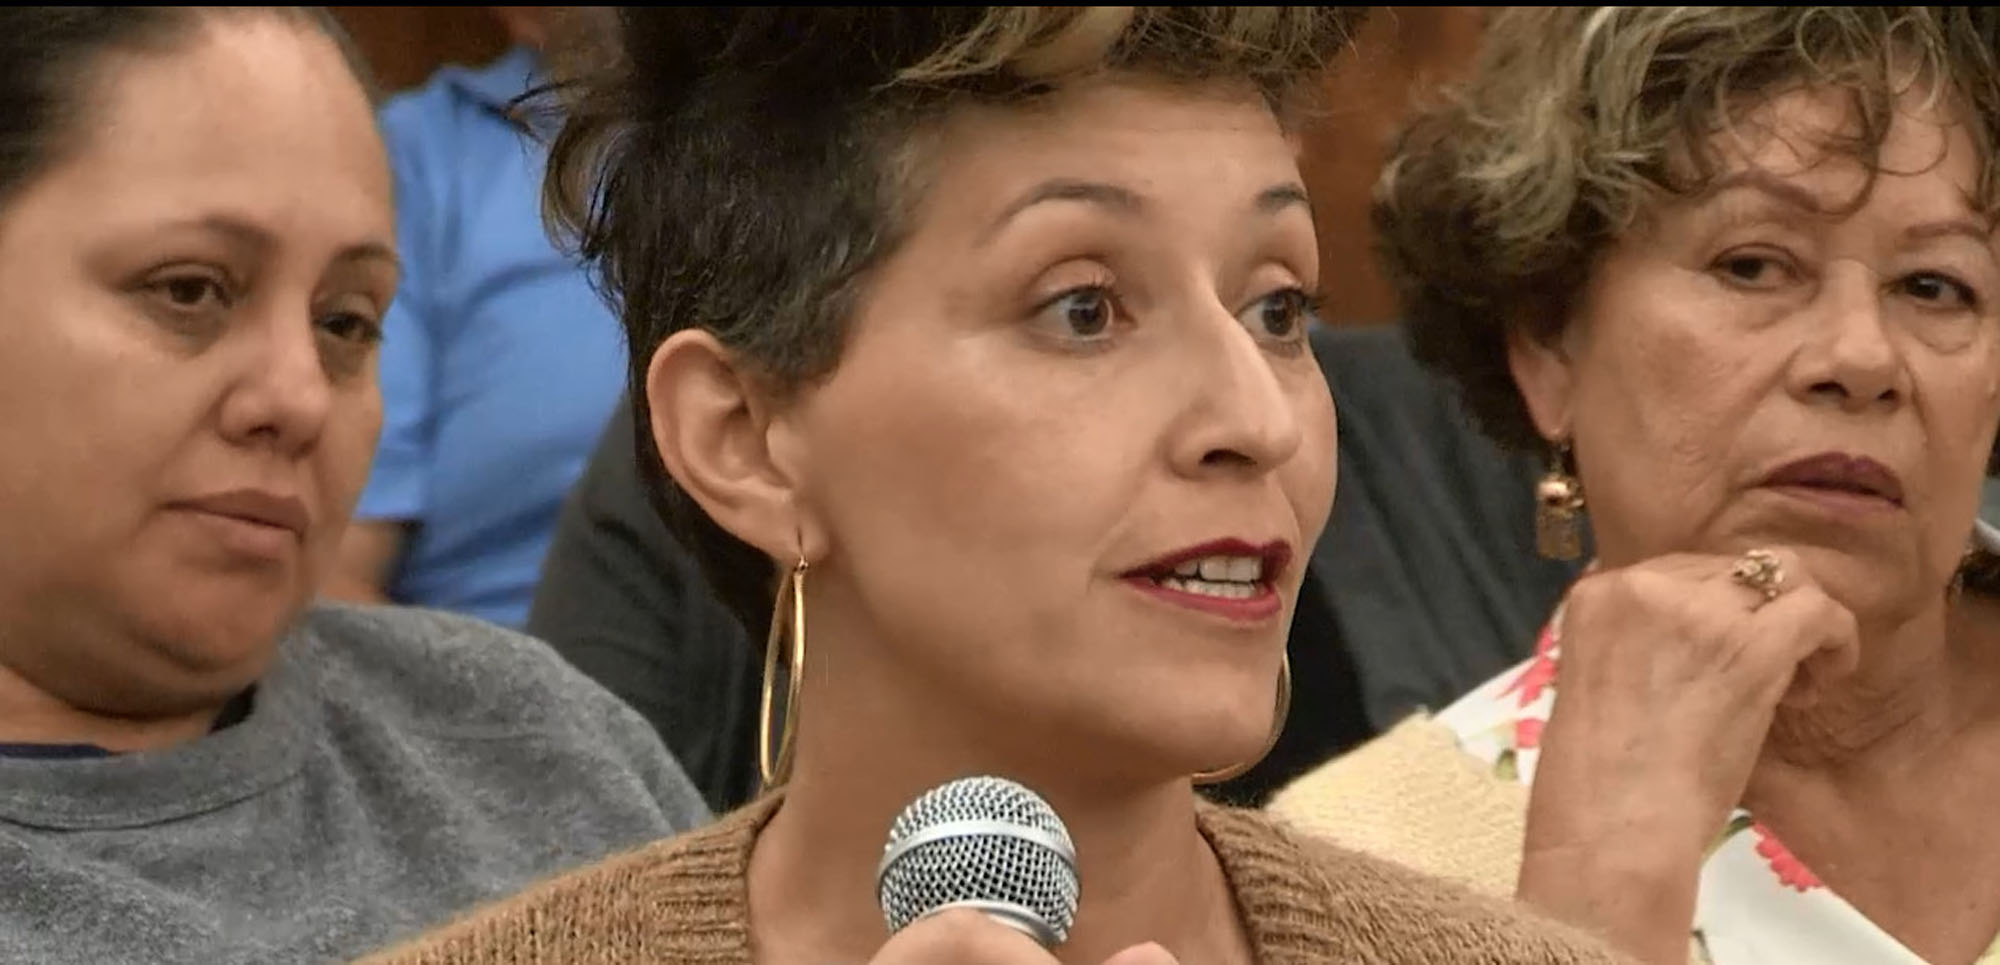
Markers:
point(1222, 577)
point(1234, 578)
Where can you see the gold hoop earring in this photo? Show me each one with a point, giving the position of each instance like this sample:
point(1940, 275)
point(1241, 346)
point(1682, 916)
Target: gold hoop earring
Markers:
point(775, 768)
point(1559, 509)
point(1284, 710)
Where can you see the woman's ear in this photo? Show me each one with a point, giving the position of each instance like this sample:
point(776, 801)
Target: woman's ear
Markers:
point(1544, 375)
point(713, 428)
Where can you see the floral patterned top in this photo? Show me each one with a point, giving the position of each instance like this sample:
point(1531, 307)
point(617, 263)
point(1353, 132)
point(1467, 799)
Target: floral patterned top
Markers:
point(1757, 905)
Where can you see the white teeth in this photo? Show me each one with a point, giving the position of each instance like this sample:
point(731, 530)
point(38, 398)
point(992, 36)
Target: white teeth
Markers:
point(1227, 591)
point(1231, 569)
point(1189, 568)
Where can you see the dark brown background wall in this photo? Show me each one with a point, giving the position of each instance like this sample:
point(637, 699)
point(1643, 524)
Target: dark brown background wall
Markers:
point(1402, 52)
point(404, 44)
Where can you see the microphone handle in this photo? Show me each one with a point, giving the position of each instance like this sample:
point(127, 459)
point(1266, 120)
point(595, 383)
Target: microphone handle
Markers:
point(1006, 913)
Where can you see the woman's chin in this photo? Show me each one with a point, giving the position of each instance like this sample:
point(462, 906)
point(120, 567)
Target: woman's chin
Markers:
point(203, 637)
point(1880, 589)
point(1223, 742)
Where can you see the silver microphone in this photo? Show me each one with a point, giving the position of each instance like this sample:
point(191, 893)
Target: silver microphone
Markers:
point(984, 843)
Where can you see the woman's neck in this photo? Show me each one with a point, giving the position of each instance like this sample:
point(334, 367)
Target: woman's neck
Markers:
point(1890, 806)
point(30, 715)
point(1147, 872)
point(1918, 682)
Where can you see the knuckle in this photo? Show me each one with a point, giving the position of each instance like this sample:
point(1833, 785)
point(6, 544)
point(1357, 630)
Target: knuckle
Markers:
point(1653, 587)
point(1150, 953)
point(950, 930)
point(1834, 618)
point(1586, 591)
point(1813, 596)
point(1643, 597)
point(1606, 594)
point(1807, 605)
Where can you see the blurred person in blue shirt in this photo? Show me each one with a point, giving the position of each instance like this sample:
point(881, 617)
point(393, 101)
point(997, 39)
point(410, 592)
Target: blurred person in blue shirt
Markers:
point(499, 364)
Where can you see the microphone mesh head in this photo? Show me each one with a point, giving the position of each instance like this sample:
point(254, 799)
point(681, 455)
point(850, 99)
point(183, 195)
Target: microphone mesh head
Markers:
point(984, 840)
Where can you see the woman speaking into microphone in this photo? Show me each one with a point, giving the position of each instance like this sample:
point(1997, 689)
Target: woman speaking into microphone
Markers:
point(977, 337)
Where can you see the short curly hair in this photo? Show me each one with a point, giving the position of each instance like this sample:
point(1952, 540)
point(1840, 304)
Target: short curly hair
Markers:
point(1497, 200)
point(743, 170)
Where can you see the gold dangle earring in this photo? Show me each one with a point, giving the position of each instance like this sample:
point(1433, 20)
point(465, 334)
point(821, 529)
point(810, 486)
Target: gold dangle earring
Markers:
point(1284, 710)
point(1559, 508)
point(775, 766)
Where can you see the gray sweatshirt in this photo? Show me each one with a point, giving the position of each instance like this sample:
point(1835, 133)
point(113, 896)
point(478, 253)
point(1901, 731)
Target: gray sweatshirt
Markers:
point(396, 767)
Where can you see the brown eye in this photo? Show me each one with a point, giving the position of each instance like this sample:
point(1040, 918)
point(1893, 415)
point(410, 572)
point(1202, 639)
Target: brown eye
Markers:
point(1753, 270)
point(1282, 316)
point(1084, 314)
point(1747, 269)
point(191, 303)
point(349, 327)
point(1938, 291)
point(190, 293)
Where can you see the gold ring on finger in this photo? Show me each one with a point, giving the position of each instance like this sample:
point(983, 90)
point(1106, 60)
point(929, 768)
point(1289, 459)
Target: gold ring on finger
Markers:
point(1760, 570)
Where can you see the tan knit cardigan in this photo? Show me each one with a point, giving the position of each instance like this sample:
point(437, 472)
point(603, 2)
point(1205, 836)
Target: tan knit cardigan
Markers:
point(1414, 797)
point(684, 900)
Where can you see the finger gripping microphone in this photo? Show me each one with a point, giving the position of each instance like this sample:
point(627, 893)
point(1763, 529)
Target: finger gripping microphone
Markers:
point(984, 843)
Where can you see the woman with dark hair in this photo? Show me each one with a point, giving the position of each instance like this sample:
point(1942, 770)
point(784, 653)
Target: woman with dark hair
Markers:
point(196, 765)
point(977, 336)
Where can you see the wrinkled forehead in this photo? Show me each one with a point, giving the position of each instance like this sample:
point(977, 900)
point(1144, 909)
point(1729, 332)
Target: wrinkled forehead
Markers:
point(1828, 147)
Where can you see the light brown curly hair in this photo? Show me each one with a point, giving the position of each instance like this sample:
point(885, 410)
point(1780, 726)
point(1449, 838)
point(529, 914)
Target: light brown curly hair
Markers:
point(1496, 201)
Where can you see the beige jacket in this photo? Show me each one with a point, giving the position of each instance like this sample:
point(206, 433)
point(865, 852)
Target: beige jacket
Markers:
point(1412, 796)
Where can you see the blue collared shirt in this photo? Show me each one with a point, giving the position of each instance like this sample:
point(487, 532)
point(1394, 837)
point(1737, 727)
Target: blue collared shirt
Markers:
point(499, 362)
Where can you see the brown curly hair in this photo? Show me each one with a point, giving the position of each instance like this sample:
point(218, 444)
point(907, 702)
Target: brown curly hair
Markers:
point(742, 170)
point(1496, 201)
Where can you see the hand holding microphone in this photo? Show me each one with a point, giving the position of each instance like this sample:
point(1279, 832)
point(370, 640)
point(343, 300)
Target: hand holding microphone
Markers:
point(962, 936)
point(981, 871)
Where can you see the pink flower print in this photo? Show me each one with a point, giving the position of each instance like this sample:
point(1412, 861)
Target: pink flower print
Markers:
point(1791, 872)
point(1541, 670)
point(1528, 733)
point(1545, 643)
point(1539, 674)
